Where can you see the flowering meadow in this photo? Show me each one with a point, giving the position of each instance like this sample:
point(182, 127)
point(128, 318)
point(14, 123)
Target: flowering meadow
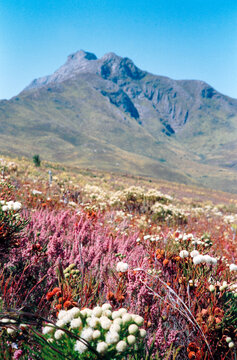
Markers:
point(105, 266)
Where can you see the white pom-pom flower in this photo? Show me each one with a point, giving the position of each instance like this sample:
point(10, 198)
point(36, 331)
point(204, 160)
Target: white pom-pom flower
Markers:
point(121, 346)
point(126, 318)
point(106, 306)
point(122, 311)
point(61, 314)
point(207, 259)
point(115, 315)
point(142, 333)
point(131, 339)
point(107, 313)
point(233, 267)
point(115, 327)
point(11, 331)
point(75, 312)
point(211, 288)
point(58, 334)
point(87, 334)
point(76, 323)
point(118, 321)
point(102, 347)
point(198, 259)
point(16, 206)
point(97, 311)
point(48, 329)
point(194, 253)
point(213, 261)
point(112, 337)
point(96, 334)
point(184, 254)
point(133, 329)
point(60, 323)
point(80, 347)
point(105, 322)
point(93, 321)
point(122, 266)
point(138, 320)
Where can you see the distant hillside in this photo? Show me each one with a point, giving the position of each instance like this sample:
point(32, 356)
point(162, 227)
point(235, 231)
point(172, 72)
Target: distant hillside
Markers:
point(108, 114)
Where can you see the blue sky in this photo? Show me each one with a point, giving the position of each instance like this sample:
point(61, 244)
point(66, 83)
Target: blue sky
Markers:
point(180, 39)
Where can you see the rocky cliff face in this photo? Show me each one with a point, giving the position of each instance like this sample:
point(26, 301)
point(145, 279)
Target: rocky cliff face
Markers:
point(140, 94)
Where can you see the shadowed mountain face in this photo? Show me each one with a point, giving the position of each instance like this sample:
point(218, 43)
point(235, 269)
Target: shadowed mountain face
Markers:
point(107, 113)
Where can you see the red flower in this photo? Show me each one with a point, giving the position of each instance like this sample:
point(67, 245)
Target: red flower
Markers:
point(49, 295)
point(67, 304)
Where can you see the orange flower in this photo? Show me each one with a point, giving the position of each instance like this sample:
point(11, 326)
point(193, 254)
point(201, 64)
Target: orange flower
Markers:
point(204, 312)
point(49, 295)
point(217, 320)
point(110, 296)
point(218, 311)
point(58, 307)
point(192, 355)
point(120, 298)
point(192, 347)
point(67, 304)
point(165, 262)
point(56, 290)
point(198, 355)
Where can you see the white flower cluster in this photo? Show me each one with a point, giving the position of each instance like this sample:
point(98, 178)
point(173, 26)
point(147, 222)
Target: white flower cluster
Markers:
point(233, 267)
point(11, 326)
point(230, 219)
point(224, 286)
point(138, 193)
point(122, 266)
point(105, 331)
point(9, 166)
point(230, 342)
point(198, 258)
point(206, 243)
point(183, 254)
point(10, 205)
point(152, 238)
point(36, 192)
point(168, 211)
point(203, 259)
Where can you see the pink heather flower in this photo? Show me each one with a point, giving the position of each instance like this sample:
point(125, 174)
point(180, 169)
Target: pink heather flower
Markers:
point(17, 354)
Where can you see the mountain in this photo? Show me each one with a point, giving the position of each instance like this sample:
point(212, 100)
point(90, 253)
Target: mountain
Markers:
point(108, 114)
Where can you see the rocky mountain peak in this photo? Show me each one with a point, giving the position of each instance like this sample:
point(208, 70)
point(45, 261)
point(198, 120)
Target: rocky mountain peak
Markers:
point(117, 68)
point(111, 56)
point(81, 54)
point(110, 67)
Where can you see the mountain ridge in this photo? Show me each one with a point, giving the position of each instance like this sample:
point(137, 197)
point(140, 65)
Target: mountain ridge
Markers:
point(107, 111)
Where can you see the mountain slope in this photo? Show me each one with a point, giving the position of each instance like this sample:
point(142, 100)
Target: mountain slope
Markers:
point(107, 113)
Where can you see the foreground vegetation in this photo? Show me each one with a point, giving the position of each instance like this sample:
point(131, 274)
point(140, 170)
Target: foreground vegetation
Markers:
point(97, 266)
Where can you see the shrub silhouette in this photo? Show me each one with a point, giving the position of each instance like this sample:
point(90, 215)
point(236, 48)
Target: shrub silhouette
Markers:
point(36, 160)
